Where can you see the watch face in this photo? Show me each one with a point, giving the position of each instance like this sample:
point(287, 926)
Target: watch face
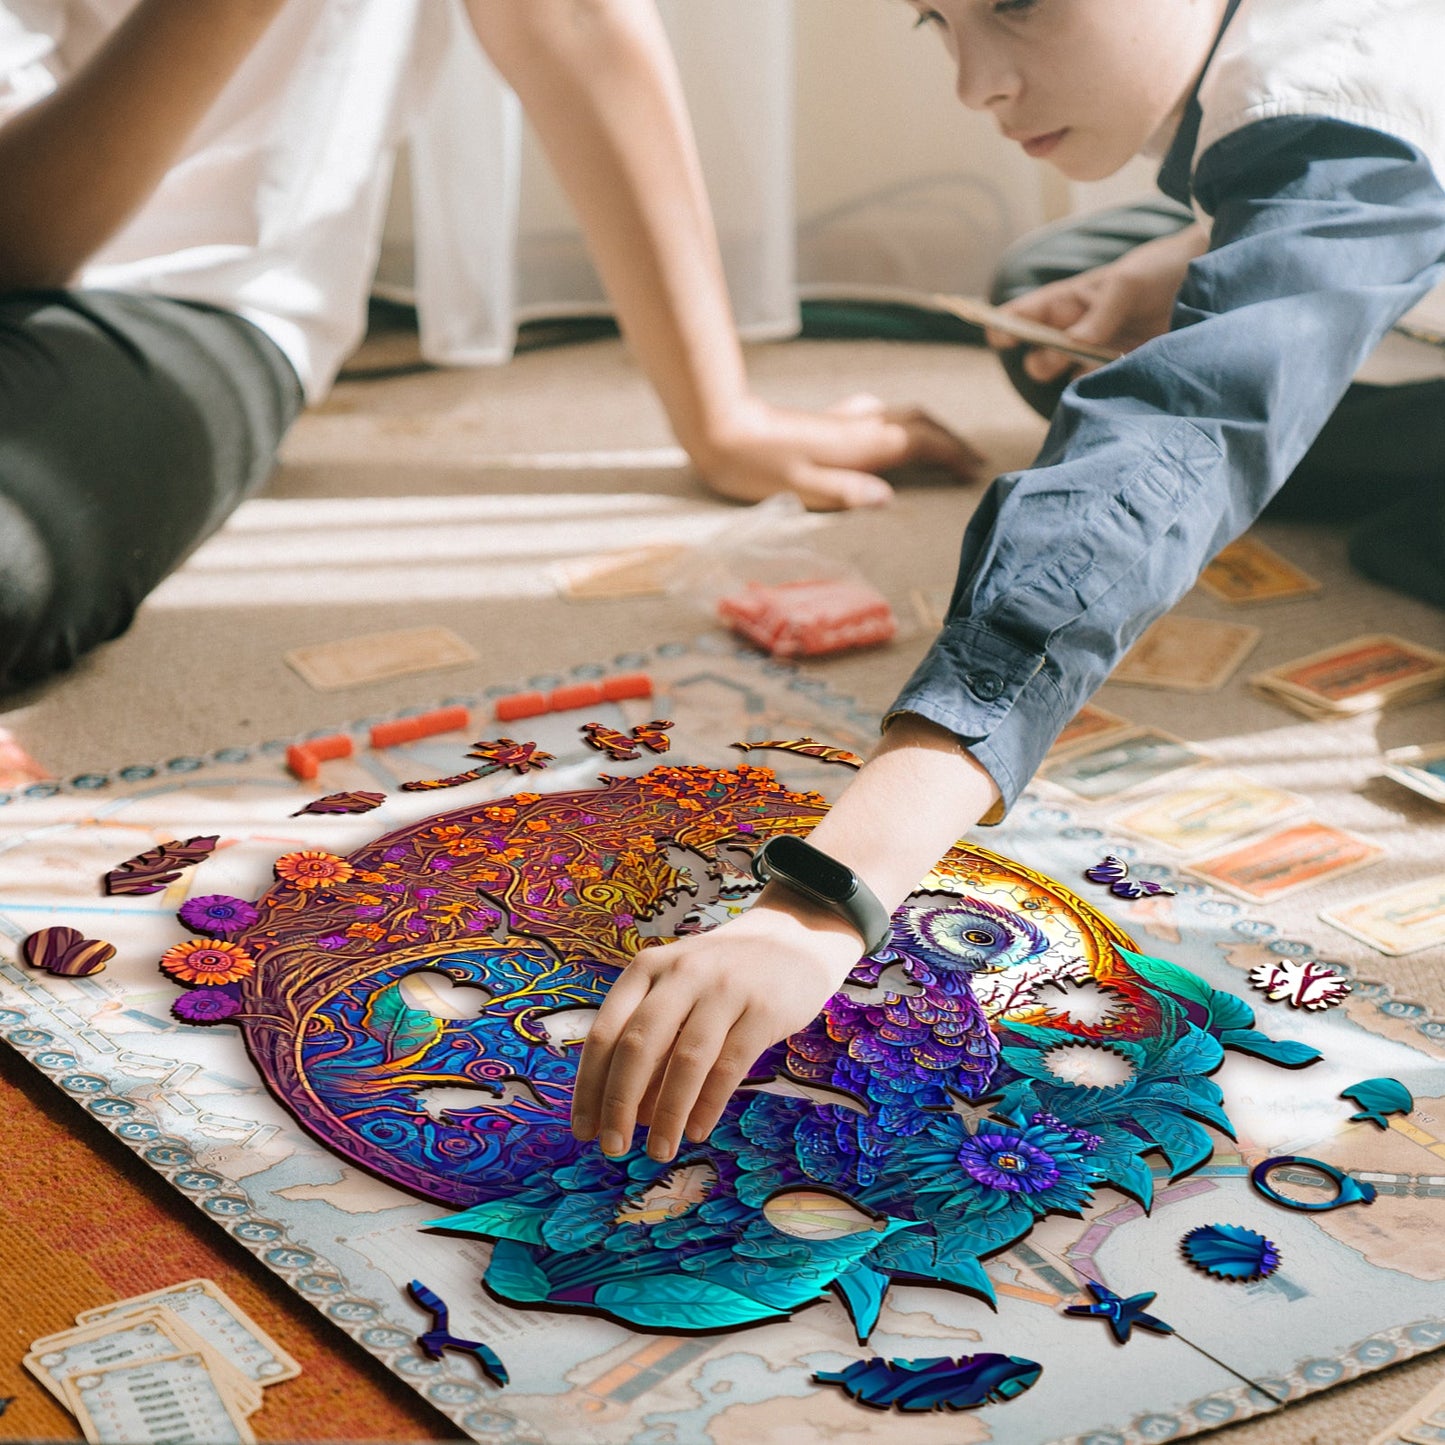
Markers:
point(810, 869)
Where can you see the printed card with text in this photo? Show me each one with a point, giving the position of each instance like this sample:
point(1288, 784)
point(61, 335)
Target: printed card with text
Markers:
point(1398, 922)
point(1294, 857)
point(1422, 770)
point(1366, 673)
point(352, 661)
point(1091, 724)
point(158, 1402)
point(1194, 819)
point(1187, 654)
point(1116, 765)
point(1248, 571)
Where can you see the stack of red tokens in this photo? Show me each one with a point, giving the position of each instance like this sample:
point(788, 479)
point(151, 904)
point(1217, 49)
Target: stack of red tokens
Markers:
point(808, 619)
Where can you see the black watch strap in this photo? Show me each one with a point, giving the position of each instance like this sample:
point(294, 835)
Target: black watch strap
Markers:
point(811, 872)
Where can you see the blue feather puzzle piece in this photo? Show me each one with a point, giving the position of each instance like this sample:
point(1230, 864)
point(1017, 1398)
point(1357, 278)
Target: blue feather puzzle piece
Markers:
point(1229, 1251)
point(440, 1336)
point(941, 1383)
point(1378, 1098)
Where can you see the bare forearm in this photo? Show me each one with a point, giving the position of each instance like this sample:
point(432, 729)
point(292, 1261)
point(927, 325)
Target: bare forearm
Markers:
point(598, 83)
point(75, 166)
point(914, 798)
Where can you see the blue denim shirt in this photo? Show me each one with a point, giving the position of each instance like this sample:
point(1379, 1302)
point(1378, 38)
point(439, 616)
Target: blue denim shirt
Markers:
point(1324, 234)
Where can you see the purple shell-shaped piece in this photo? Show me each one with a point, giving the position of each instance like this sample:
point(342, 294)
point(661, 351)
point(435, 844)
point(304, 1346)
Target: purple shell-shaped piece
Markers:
point(1139, 888)
point(1108, 870)
point(66, 952)
point(46, 947)
point(355, 802)
point(217, 915)
point(156, 868)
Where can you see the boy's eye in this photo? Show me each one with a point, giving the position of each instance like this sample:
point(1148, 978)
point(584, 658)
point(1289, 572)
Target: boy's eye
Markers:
point(1014, 7)
point(927, 17)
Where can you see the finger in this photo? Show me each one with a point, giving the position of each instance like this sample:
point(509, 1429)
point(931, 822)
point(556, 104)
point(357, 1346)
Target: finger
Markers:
point(928, 440)
point(596, 1062)
point(694, 1057)
point(1000, 340)
point(741, 1049)
point(1059, 304)
point(861, 404)
point(839, 489)
point(1047, 365)
point(641, 1050)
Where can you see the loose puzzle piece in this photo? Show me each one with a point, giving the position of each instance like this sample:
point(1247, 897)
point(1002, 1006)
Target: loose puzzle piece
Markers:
point(935, 1384)
point(440, 1336)
point(427, 785)
point(66, 952)
point(1348, 1190)
point(1378, 1098)
point(1114, 872)
point(808, 748)
point(1301, 984)
point(1229, 1251)
point(343, 803)
point(533, 903)
point(499, 753)
point(157, 868)
point(623, 747)
point(1121, 1314)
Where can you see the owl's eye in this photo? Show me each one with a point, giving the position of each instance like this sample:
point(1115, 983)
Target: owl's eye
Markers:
point(978, 935)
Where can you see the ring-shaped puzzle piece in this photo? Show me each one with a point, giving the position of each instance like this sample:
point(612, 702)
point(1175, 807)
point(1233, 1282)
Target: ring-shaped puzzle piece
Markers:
point(1350, 1190)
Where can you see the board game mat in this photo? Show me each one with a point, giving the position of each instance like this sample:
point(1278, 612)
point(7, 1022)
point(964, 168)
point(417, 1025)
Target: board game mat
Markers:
point(1360, 1289)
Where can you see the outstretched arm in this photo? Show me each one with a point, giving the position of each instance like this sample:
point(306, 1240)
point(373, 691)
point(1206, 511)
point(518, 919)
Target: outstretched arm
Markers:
point(1322, 240)
point(597, 81)
point(77, 164)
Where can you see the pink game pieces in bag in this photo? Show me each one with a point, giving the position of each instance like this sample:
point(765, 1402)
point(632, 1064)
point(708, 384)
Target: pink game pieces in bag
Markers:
point(809, 618)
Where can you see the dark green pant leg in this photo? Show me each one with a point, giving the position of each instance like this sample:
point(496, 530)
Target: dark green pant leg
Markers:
point(130, 427)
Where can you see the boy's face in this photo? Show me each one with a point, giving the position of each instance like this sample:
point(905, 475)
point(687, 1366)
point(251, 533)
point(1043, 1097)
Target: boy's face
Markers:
point(1083, 84)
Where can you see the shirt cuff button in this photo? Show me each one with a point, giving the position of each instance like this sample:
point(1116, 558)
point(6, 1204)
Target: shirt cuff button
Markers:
point(985, 685)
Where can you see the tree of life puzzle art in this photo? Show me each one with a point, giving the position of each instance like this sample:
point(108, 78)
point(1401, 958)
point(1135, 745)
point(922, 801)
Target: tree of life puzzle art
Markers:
point(999, 988)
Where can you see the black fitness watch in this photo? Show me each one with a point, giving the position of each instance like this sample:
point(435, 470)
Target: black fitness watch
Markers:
point(825, 880)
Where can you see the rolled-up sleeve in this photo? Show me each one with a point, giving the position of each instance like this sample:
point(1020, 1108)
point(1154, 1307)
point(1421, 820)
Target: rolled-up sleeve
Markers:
point(1324, 235)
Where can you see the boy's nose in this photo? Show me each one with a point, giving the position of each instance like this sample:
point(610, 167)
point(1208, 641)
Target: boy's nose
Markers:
point(984, 82)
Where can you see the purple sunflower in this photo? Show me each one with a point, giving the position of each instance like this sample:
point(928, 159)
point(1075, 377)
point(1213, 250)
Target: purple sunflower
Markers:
point(217, 915)
point(206, 1006)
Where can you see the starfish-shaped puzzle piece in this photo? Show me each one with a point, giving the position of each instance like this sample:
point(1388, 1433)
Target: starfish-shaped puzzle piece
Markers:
point(623, 747)
point(440, 1337)
point(157, 868)
point(1121, 1313)
point(522, 758)
point(1301, 984)
point(808, 748)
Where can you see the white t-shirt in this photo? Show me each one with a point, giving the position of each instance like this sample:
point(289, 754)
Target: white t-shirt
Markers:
point(275, 208)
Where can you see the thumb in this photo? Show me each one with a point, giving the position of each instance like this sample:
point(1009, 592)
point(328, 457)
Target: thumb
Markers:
point(839, 489)
point(860, 404)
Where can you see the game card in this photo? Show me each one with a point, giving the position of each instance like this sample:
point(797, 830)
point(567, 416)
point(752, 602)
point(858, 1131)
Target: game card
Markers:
point(1357, 676)
point(1248, 571)
point(1090, 724)
point(1121, 764)
point(1281, 862)
point(218, 1321)
point(642, 572)
point(1399, 921)
point(1187, 654)
point(356, 660)
point(170, 1401)
point(147, 1335)
point(1204, 816)
point(977, 312)
point(1420, 769)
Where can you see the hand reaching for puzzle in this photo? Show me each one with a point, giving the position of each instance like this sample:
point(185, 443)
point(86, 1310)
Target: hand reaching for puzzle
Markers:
point(830, 459)
point(682, 1026)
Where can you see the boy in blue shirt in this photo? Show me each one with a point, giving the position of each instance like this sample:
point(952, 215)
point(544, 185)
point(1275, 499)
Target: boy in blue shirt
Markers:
point(1309, 138)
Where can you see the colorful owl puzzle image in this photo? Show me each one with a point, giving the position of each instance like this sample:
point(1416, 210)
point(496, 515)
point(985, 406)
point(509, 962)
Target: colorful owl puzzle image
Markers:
point(419, 1005)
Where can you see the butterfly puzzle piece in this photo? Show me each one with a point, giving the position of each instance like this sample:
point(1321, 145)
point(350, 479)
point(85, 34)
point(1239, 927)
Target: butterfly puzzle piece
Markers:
point(1300, 983)
point(66, 952)
point(1114, 872)
point(1122, 1313)
point(808, 748)
point(623, 747)
point(941, 1383)
point(157, 868)
point(440, 1336)
point(1378, 1098)
point(343, 803)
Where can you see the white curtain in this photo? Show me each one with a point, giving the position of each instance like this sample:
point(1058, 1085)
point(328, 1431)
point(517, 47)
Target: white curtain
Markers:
point(837, 159)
